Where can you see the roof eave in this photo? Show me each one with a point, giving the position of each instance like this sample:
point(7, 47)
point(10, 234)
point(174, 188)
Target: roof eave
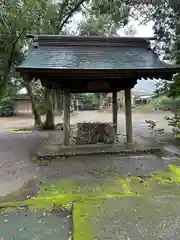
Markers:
point(173, 69)
point(49, 37)
point(161, 73)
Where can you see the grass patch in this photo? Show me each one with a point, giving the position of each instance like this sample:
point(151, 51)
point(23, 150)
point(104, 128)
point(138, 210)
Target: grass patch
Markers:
point(22, 131)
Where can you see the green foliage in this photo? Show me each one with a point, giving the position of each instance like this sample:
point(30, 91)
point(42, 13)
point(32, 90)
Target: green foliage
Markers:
point(160, 101)
point(165, 15)
point(17, 18)
point(6, 107)
point(104, 18)
point(116, 11)
point(174, 121)
point(174, 87)
point(153, 128)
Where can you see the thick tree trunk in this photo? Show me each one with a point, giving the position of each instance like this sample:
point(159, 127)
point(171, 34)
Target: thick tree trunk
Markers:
point(59, 102)
point(37, 117)
point(54, 99)
point(49, 122)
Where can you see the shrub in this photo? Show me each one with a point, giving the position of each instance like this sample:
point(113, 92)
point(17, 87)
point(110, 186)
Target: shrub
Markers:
point(163, 102)
point(6, 108)
point(174, 121)
point(152, 127)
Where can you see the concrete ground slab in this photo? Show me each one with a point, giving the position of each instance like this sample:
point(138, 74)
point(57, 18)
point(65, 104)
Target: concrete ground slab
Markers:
point(128, 218)
point(99, 168)
point(21, 225)
point(92, 171)
point(16, 167)
point(53, 147)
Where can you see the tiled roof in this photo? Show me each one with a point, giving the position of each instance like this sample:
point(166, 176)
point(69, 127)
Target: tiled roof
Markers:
point(91, 58)
point(58, 52)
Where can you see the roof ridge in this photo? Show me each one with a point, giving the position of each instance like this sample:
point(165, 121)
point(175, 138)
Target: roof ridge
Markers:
point(113, 41)
point(44, 36)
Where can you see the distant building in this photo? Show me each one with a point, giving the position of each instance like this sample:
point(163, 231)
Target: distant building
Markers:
point(121, 97)
point(22, 105)
point(142, 96)
point(137, 95)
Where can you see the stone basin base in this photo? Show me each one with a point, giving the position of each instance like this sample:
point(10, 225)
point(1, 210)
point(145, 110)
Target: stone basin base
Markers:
point(93, 133)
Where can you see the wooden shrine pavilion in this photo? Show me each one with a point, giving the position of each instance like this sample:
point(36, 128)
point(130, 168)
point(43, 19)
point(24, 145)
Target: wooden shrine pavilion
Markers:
point(76, 64)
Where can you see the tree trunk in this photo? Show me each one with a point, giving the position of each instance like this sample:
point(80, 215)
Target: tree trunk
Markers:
point(59, 102)
point(37, 117)
point(54, 101)
point(49, 122)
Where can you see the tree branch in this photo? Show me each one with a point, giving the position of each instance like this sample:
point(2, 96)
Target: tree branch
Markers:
point(5, 23)
point(10, 60)
point(64, 5)
point(85, 10)
point(72, 11)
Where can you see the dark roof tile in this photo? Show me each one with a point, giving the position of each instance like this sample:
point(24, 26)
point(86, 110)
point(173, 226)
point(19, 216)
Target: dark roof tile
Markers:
point(91, 58)
point(75, 52)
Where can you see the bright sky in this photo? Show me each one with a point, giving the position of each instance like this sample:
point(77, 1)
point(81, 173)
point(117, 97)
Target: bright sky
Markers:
point(142, 30)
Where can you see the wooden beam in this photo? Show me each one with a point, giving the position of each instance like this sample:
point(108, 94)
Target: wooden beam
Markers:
point(66, 104)
point(128, 112)
point(114, 110)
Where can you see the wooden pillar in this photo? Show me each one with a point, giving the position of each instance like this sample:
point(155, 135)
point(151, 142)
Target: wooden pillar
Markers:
point(77, 105)
point(101, 99)
point(66, 104)
point(114, 110)
point(128, 112)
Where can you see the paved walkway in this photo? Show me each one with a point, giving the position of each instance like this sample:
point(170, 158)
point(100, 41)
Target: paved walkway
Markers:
point(108, 201)
point(129, 218)
point(34, 225)
point(16, 152)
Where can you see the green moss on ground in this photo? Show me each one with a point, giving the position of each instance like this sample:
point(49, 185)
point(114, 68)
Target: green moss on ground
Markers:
point(80, 222)
point(62, 193)
point(14, 130)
